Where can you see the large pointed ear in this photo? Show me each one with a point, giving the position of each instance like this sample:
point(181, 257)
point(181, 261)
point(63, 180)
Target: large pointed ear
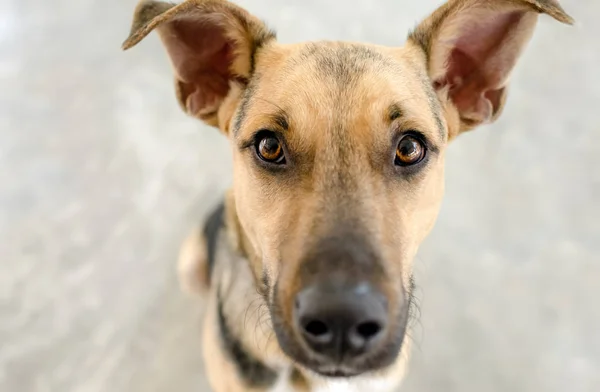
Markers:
point(211, 44)
point(471, 48)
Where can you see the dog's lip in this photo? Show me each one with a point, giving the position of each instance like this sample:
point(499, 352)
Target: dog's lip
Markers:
point(336, 372)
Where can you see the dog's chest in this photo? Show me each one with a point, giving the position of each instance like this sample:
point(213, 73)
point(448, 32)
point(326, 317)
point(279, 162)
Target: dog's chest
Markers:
point(355, 385)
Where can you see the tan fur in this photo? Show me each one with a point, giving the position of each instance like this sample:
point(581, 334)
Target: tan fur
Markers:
point(334, 100)
point(191, 264)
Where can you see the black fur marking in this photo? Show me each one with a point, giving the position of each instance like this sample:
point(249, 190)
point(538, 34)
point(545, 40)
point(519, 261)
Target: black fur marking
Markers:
point(244, 103)
point(395, 112)
point(254, 373)
point(213, 225)
point(281, 120)
point(263, 289)
point(257, 44)
point(434, 104)
point(434, 101)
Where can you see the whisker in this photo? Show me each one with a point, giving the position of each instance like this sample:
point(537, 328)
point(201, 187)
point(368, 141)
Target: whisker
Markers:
point(245, 322)
point(414, 314)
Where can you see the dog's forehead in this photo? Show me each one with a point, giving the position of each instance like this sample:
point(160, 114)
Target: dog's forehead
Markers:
point(340, 82)
point(339, 62)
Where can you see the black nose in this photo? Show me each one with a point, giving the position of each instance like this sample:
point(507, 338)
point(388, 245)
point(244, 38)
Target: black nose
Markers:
point(341, 321)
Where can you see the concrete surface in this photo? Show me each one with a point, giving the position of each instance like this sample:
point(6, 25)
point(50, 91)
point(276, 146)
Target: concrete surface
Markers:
point(101, 175)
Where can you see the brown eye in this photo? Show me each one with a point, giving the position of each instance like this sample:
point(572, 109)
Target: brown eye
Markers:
point(269, 149)
point(410, 151)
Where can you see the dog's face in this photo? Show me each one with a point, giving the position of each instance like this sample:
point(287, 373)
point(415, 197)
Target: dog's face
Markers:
point(338, 176)
point(338, 155)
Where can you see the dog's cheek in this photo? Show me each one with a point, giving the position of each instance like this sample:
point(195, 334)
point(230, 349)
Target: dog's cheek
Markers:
point(245, 203)
point(416, 216)
point(259, 216)
point(429, 199)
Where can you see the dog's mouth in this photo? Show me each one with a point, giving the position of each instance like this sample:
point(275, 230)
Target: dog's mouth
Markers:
point(332, 372)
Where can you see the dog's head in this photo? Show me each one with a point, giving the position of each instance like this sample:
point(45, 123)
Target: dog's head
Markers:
point(338, 154)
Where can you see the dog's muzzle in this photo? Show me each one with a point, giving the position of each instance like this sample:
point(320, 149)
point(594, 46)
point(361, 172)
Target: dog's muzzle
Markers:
point(343, 322)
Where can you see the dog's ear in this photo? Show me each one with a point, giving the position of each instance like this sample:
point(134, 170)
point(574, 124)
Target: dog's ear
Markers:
point(471, 48)
point(211, 44)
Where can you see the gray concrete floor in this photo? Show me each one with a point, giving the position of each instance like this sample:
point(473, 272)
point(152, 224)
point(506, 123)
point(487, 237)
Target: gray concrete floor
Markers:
point(101, 175)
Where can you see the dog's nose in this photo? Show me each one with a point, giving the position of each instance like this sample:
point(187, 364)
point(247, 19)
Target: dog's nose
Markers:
point(341, 322)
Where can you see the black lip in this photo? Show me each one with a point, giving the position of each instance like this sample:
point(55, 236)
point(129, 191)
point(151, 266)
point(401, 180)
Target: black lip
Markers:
point(338, 373)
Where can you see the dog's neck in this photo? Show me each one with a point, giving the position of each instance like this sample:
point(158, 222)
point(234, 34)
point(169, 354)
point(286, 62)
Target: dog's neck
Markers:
point(252, 370)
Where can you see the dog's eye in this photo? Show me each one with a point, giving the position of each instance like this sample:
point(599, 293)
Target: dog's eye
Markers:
point(410, 151)
point(269, 149)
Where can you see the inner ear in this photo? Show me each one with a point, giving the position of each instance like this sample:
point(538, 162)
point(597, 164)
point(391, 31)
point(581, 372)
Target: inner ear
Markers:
point(202, 56)
point(479, 51)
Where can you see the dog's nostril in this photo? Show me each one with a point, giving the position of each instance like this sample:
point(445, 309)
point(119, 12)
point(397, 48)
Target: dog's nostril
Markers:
point(368, 330)
point(317, 328)
point(361, 335)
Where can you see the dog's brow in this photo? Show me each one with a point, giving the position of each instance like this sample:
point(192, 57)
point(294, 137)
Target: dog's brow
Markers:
point(394, 112)
point(281, 120)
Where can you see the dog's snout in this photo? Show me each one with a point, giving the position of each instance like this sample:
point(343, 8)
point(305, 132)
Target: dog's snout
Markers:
point(340, 322)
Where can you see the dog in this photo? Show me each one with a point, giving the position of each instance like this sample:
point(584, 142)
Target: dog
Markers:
point(338, 167)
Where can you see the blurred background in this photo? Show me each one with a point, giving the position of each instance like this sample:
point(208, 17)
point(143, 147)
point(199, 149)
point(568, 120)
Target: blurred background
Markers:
point(101, 176)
